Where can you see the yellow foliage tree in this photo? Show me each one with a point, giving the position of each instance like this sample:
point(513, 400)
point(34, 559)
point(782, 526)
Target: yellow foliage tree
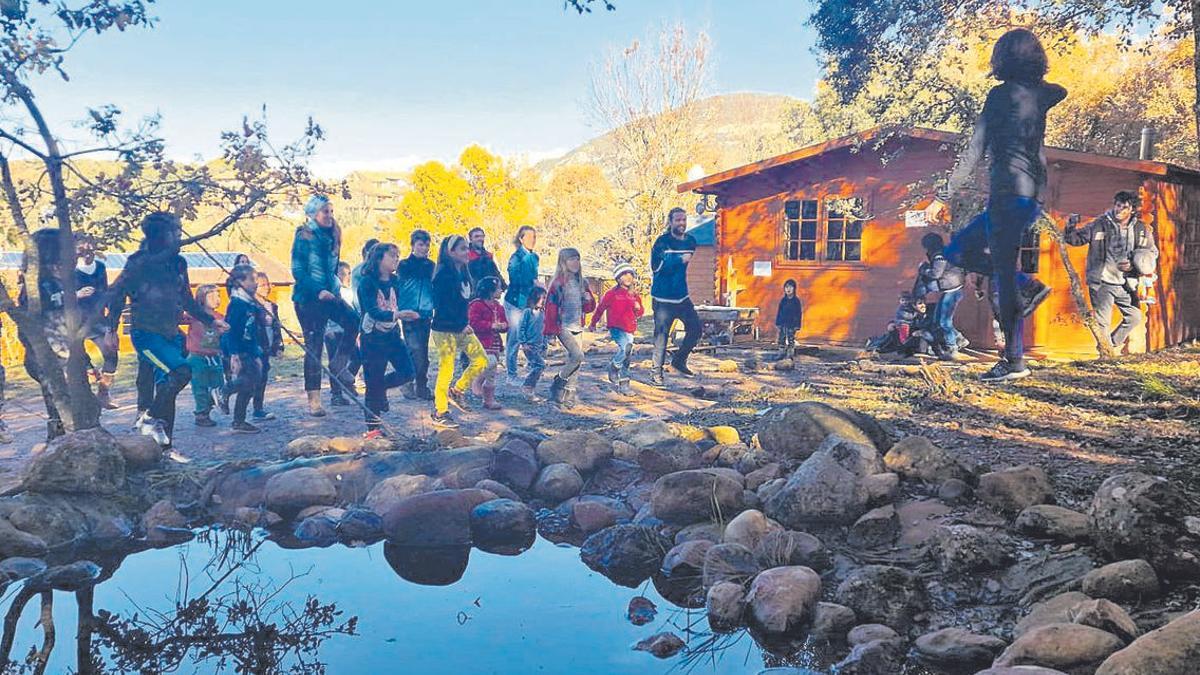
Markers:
point(581, 210)
point(440, 200)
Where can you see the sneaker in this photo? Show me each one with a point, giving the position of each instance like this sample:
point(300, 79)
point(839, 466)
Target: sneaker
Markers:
point(656, 380)
point(1032, 296)
point(625, 388)
point(614, 374)
point(178, 457)
point(137, 421)
point(338, 401)
point(1005, 372)
point(515, 382)
point(155, 429)
point(263, 415)
point(492, 405)
point(682, 369)
point(444, 420)
point(458, 399)
point(203, 420)
point(373, 435)
point(223, 400)
point(530, 395)
point(244, 427)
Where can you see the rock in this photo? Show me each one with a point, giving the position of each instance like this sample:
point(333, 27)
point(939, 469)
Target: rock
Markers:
point(625, 451)
point(790, 548)
point(752, 461)
point(784, 365)
point(882, 488)
point(503, 526)
point(1107, 616)
point(686, 561)
point(730, 455)
point(726, 605)
point(1173, 649)
point(961, 549)
point(727, 366)
point(710, 532)
point(686, 497)
point(428, 565)
point(661, 645)
point(796, 431)
point(724, 435)
point(72, 577)
point(17, 568)
point(295, 489)
point(615, 476)
point(644, 433)
point(558, 482)
point(441, 518)
point(669, 456)
point(954, 491)
point(331, 512)
point(360, 525)
point(749, 528)
point(346, 445)
point(515, 464)
point(917, 457)
point(729, 562)
point(1066, 646)
point(1050, 611)
point(14, 542)
point(82, 462)
point(870, 632)
point(827, 487)
point(1053, 522)
point(593, 513)
point(452, 438)
point(831, 621)
point(1041, 574)
point(140, 452)
point(1127, 580)
point(319, 531)
point(782, 600)
point(641, 610)
point(306, 446)
point(163, 522)
point(394, 489)
point(1021, 670)
point(878, 657)
point(883, 594)
point(755, 479)
point(625, 554)
point(770, 489)
point(957, 648)
point(497, 488)
point(1143, 516)
point(527, 435)
point(581, 449)
point(1013, 490)
point(876, 528)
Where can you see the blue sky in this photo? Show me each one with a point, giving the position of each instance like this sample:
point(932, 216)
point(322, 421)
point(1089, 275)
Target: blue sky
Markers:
point(395, 82)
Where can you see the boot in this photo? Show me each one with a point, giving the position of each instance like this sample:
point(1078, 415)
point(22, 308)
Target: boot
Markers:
point(103, 384)
point(556, 389)
point(656, 379)
point(314, 404)
point(614, 374)
point(569, 398)
point(489, 397)
point(625, 388)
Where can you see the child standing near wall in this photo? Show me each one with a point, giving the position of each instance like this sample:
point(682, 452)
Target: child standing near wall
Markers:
point(241, 344)
point(623, 306)
point(379, 336)
point(486, 317)
point(788, 317)
point(204, 355)
point(532, 340)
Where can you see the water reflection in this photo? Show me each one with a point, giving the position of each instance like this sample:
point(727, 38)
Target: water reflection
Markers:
point(428, 565)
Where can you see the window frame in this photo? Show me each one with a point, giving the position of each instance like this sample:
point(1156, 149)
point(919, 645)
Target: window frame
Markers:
point(1189, 234)
point(822, 241)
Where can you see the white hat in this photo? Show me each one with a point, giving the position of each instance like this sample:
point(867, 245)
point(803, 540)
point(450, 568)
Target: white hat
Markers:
point(622, 268)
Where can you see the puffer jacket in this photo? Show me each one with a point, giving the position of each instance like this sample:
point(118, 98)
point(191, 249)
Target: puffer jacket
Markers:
point(522, 275)
point(1106, 247)
point(414, 286)
point(315, 253)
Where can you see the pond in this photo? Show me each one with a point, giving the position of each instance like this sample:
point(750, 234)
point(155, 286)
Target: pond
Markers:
point(228, 598)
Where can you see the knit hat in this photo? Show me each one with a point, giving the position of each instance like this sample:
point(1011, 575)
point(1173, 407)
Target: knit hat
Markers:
point(622, 268)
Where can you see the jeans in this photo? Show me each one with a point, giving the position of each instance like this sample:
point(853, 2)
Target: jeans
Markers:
point(990, 244)
point(333, 341)
point(944, 314)
point(573, 343)
point(624, 353)
point(665, 314)
point(416, 337)
point(144, 384)
point(313, 316)
point(447, 346)
point(787, 336)
point(171, 371)
point(379, 350)
point(261, 393)
point(208, 373)
point(1103, 297)
point(512, 314)
point(244, 384)
point(535, 357)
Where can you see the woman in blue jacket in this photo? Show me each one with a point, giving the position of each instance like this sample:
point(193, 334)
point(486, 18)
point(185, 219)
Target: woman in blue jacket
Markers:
point(522, 277)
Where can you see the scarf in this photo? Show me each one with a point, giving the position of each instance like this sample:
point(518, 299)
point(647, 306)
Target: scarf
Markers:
point(86, 268)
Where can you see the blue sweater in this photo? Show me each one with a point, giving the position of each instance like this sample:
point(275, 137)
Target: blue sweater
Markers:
point(522, 275)
point(669, 269)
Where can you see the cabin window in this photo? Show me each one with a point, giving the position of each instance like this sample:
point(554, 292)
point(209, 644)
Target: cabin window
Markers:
point(1189, 255)
point(800, 230)
point(1031, 251)
point(843, 230)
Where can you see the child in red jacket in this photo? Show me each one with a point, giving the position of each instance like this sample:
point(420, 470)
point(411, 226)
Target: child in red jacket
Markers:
point(486, 317)
point(624, 307)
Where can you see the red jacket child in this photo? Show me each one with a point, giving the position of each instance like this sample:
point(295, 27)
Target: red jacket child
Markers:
point(202, 340)
point(481, 315)
point(624, 309)
point(553, 315)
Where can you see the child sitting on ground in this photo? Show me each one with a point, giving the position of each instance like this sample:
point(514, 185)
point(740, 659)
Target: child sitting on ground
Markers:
point(897, 329)
point(623, 306)
point(532, 340)
point(204, 356)
point(486, 317)
point(788, 317)
point(241, 344)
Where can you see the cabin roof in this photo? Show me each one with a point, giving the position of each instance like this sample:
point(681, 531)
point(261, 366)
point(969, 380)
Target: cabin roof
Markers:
point(711, 184)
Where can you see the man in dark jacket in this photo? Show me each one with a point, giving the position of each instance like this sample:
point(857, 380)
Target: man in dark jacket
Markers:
point(1113, 241)
point(481, 264)
point(414, 292)
point(669, 259)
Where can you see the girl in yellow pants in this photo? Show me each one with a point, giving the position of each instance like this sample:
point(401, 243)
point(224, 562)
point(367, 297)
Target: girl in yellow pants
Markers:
point(448, 346)
point(451, 333)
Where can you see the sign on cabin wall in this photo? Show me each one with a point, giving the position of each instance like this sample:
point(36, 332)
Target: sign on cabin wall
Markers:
point(915, 219)
point(762, 268)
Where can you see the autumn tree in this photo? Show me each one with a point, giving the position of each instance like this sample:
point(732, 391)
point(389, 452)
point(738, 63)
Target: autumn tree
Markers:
point(581, 210)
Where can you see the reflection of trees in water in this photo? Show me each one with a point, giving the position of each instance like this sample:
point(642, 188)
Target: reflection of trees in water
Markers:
point(238, 622)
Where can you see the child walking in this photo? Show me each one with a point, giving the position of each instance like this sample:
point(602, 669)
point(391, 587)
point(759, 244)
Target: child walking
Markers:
point(486, 317)
point(788, 318)
point(379, 336)
point(623, 306)
point(568, 302)
point(451, 332)
point(531, 339)
point(270, 336)
point(241, 344)
point(204, 355)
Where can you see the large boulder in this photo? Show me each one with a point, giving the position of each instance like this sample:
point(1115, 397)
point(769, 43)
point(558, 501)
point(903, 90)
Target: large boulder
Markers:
point(670, 455)
point(515, 464)
point(726, 605)
point(296, 489)
point(791, 548)
point(962, 549)
point(1053, 522)
point(682, 579)
point(1132, 580)
point(360, 526)
point(592, 513)
point(687, 497)
point(796, 431)
point(503, 526)
point(140, 452)
point(749, 528)
point(17, 543)
point(393, 489)
point(1107, 616)
point(1012, 490)
point(827, 488)
point(832, 621)
point(625, 554)
point(957, 648)
point(306, 446)
point(497, 488)
point(558, 482)
point(72, 577)
point(1056, 609)
point(441, 518)
point(877, 657)
point(581, 449)
point(82, 462)
point(729, 562)
point(1173, 649)
point(644, 433)
point(162, 522)
point(1069, 647)
point(1143, 516)
point(876, 528)
point(917, 457)
point(883, 594)
point(319, 531)
point(783, 600)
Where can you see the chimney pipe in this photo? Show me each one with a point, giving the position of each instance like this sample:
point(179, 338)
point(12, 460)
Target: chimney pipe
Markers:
point(1146, 151)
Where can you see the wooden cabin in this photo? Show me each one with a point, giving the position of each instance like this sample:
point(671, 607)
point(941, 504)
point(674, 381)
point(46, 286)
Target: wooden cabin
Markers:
point(702, 269)
point(843, 218)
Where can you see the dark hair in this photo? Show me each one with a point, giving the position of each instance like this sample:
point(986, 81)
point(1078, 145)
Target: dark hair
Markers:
point(419, 235)
point(237, 260)
point(444, 262)
point(521, 233)
point(1018, 55)
point(1127, 197)
point(45, 242)
point(486, 288)
point(535, 294)
point(155, 228)
point(366, 249)
point(672, 212)
point(371, 266)
point(239, 273)
point(933, 242)
point(473, 230)
point(789, 282)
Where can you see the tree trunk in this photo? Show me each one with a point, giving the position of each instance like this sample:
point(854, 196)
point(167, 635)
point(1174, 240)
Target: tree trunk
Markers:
point(1099, 333)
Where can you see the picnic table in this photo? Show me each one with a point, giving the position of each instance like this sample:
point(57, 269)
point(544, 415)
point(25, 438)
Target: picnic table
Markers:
point(722, 326)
